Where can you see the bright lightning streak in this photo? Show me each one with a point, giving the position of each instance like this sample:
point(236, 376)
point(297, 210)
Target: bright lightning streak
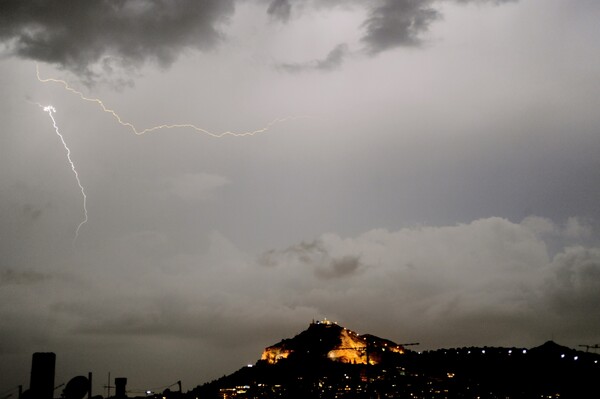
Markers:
point(51, 110)
point(159, 127)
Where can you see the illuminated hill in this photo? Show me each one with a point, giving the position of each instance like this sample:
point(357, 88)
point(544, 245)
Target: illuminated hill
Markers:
point(325, 339)
point(327, 361)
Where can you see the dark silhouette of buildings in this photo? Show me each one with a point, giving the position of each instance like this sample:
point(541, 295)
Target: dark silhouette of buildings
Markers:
point(327, 361)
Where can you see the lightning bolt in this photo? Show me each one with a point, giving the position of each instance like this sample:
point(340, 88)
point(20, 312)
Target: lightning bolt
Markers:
point(159, 127)
point(51, 111)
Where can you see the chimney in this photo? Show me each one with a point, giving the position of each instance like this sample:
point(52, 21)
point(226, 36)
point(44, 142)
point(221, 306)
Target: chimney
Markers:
point(89, 395)
point(120, 384)
point(41, 383)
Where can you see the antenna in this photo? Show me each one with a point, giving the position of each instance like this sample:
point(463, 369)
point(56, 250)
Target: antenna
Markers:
point(107, 386)
point(587, 347)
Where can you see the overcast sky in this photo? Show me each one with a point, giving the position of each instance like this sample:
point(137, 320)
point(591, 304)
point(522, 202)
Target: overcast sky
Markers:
point(437, 179)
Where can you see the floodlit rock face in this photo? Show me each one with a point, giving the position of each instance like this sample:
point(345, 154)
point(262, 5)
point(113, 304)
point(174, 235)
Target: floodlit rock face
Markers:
point(273, 354)
point(329, 340)
point(352, 348)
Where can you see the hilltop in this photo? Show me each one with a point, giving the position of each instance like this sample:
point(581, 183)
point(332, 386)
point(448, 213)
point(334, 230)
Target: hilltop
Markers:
point(325, 339)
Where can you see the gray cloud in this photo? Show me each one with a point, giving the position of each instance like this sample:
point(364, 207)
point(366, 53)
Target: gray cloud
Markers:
point(307, 251)
point(211, 319)
point(280, 10)
point(195, 186)
point(94, 39)
point(332, 61)
point(315, 256)
point(496, 2)
point(31, 213)
point(75, 34)
point(26, 277)
point(488, 281)
point(574, 287)
point(341, 267)
point(397, 23)
point(389, 24)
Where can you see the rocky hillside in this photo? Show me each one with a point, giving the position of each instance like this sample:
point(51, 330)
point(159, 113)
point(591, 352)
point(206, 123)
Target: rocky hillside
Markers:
point(326, 339)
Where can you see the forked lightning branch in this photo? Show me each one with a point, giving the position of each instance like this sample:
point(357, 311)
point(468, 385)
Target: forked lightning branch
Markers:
point(139, 132)
point(51, 110)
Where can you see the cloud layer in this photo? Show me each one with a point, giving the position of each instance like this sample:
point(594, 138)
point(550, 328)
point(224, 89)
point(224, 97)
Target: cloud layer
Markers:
point(389, 24)
point(91, 38)
point(397, 23)
point(485, 282)
point(75, 34)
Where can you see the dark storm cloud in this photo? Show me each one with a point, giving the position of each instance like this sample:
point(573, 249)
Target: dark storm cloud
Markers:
point(75, 34)
point(332, 61)
point(280, 9)
point(389, 24)
point(397, 23)
point(124, 34)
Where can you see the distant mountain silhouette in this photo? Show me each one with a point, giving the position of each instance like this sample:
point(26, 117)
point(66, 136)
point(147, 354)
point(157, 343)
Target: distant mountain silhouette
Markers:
point(329, 361)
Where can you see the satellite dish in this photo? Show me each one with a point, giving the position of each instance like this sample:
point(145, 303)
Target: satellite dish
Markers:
point(77, 388)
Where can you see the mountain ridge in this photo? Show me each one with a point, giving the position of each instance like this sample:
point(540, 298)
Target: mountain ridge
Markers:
point(328, 361)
